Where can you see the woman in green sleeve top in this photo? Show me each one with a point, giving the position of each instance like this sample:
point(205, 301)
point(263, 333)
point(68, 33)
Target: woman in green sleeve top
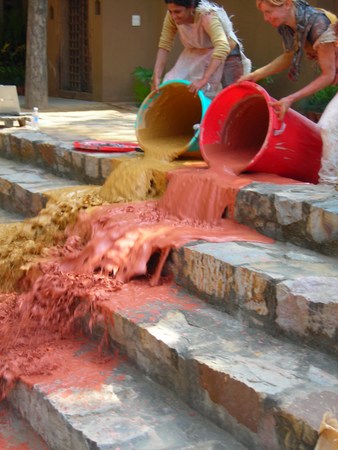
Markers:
point(212, 57)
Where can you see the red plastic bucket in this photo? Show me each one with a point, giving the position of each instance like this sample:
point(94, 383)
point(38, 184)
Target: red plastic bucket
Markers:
point(241, 130)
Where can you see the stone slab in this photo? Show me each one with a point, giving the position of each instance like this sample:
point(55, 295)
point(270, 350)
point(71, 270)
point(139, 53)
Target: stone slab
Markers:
point(279, 287)
point(305, 214)
point(108, 404)
point(8, 121)
point(16, 433)
point(59, 157)
point(251, 384)
point(23, 188)
point(9, 217)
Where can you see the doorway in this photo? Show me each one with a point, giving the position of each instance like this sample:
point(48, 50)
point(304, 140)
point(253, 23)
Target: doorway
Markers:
point(75, 71)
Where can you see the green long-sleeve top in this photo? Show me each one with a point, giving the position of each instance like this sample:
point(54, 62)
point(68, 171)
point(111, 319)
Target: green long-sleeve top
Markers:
point(215, 36)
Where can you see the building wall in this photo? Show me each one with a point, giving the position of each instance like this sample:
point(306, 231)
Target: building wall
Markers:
point(118, 47)
point(124, 46)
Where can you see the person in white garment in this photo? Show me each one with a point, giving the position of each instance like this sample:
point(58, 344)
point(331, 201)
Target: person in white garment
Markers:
point(212, 57)
point(304, 28)
point(328, 123)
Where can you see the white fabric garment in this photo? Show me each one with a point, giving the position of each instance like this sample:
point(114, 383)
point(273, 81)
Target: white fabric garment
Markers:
point(328, 173)
point(206, 7)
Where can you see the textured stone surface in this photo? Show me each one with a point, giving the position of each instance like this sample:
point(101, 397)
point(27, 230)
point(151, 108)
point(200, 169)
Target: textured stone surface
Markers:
point(8, 217)
point(15, 147)
point(272, 285)
point(305, 215)
point(27, 151)
point(309, 307)
point(15, 433)
point(46, 151)
point(121, 410)
point(43, 147)
point(63, 159)
point(243, 379)
point(23, 187)
point(105, 167)
point(92, 169)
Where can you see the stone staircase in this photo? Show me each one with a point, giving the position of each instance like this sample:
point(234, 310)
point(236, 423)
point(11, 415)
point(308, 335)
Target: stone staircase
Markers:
point(240, 354)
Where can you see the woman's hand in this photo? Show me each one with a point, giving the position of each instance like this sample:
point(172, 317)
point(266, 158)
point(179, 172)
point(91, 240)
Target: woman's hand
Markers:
point(196, 86)
point(281, 106)
point(248, 77)
point(155, 82)
point(161, 61)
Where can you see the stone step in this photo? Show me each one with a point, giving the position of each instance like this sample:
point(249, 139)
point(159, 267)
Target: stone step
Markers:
point(59, 157)
point(279, 287)
point(9, 217)
point(269, 393)
point(16, 433)
point(93, 403)
point(306, 215)
point(23, 188)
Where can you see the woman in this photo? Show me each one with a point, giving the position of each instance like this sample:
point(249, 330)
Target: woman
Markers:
point(212, 55)
point(313, 30)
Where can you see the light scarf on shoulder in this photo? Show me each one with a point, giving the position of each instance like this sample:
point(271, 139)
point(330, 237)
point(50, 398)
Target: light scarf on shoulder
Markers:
point(206, 7)
point(294, 41)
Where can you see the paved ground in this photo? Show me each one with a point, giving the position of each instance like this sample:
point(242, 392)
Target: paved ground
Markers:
point(87, 120)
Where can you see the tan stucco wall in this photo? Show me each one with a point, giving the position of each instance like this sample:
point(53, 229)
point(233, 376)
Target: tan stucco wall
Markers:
point(117, 47)
point(124, 46)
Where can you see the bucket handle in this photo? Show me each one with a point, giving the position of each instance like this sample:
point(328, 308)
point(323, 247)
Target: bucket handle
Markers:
point(281, 129)
point(196, 128)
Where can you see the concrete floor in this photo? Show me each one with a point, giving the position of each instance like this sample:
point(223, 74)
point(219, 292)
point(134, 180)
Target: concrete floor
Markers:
point(86, 120)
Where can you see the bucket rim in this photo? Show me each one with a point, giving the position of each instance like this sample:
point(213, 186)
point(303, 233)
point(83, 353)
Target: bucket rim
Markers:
point(204, 102)
point(273, 122)
point(204, 99)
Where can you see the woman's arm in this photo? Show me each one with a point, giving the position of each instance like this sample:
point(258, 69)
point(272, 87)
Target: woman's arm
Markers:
point(214, 29)
point(211, 69)
point(327, 63)
point(279, 64)
point(167, 37)
point(160, 63)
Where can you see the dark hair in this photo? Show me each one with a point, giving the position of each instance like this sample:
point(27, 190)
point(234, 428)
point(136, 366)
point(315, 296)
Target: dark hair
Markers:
point(185, 3)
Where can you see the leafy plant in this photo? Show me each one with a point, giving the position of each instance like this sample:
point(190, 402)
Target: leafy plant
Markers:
point(318, 101)
point(13, 47)
point(264, 82)
point(142, 82)
point(12, 64)
point(13, 26)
